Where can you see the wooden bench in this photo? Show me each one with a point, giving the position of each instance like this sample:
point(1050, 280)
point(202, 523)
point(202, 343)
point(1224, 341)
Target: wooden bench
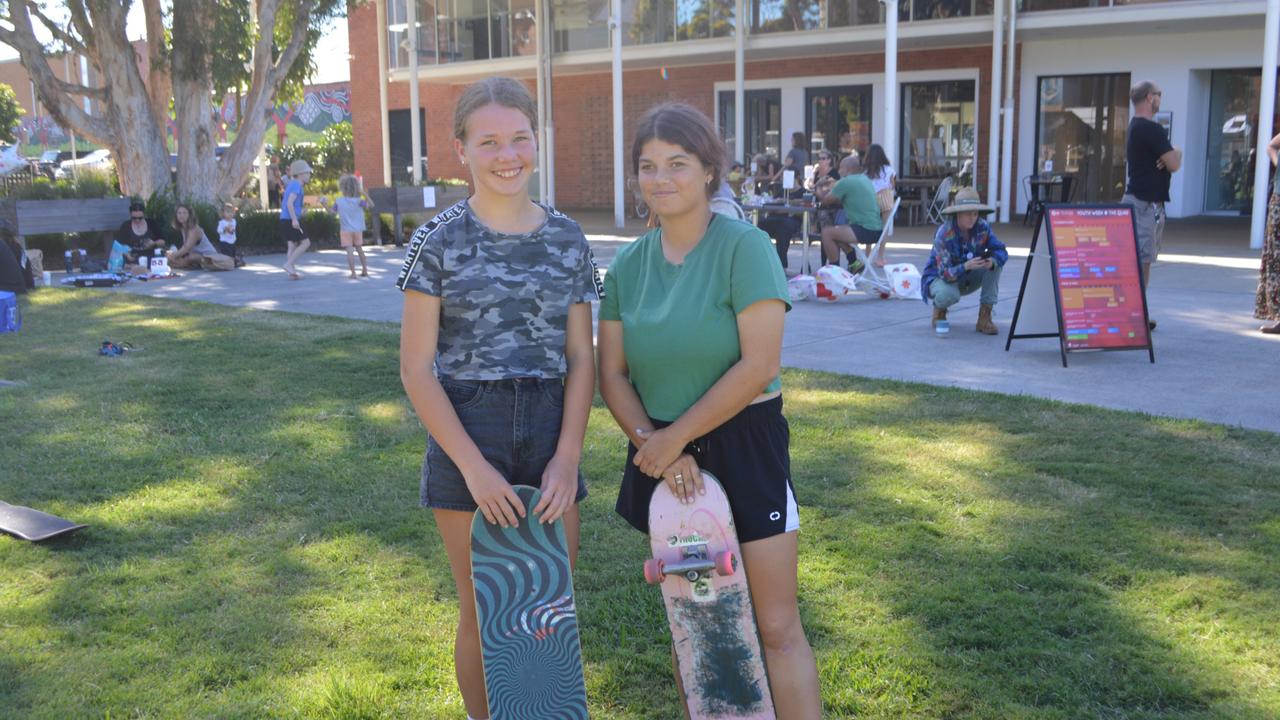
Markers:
point(40, 217)
point(409, 200)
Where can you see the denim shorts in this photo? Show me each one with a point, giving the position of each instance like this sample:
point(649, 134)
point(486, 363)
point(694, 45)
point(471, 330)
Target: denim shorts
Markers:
point(516, 424)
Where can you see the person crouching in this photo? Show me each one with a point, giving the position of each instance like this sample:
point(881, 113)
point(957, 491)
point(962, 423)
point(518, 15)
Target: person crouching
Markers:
point(966, 257)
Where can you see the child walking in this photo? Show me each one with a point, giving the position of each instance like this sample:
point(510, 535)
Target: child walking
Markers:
point(509, 397)
point(350, 208)
point(296, 240)
point(227, 233)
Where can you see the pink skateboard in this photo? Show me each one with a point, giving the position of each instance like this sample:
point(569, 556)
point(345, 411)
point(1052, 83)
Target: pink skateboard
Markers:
point(704, 588)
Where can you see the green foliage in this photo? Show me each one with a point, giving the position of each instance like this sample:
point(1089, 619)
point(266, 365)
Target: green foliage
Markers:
point(89, 184)
point(10, 112)
point(336, 152)
point(260, 231)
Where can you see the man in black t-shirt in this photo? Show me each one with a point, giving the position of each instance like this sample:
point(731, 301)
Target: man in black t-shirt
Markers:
point(1151, 160)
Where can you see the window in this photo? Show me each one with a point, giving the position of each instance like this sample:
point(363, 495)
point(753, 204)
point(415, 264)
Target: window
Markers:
point(939, 123)
point(398, 34)
point(1233, 136)
point(1081, 123)
point(838, 119)
point(763, 118)
point(580, 24)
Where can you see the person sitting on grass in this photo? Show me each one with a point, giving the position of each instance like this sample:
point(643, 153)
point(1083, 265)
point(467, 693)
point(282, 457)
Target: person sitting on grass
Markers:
point(195, 244)
point(139, 233)
point(856, 194)
point(966, 257)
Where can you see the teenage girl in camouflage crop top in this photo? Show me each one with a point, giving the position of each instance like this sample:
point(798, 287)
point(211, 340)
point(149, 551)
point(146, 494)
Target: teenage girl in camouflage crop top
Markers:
point(497, 297)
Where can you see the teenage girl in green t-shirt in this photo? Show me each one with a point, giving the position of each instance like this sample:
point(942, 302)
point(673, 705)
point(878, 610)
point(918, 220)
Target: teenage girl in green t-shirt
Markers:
point(690, 345)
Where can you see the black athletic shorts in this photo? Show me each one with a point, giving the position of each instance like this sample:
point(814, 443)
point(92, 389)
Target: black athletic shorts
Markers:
point(289, 233)
point(749, 455)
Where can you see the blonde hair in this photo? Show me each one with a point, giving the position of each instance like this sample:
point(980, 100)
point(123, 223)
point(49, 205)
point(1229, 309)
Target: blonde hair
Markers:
point(349, 186)
point(496, 90)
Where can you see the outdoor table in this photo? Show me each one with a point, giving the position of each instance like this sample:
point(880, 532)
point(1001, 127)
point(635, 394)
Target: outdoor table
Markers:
point(1042, 189)
point(924, 188)
point(803, 210)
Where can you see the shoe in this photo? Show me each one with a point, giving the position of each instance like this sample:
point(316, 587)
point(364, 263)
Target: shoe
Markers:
point(985, 326)
point(940, 324)
point(856, 267)
point(1151, 324)
point(1272, 329)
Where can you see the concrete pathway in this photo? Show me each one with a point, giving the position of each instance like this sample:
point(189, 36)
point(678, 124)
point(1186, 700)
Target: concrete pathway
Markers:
point(1211, 361)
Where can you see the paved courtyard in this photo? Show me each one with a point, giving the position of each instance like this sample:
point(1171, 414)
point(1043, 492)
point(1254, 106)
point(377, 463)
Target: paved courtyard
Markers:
point(1211, 362)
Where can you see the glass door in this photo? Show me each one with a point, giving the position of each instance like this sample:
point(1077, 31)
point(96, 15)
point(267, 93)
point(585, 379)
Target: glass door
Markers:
point(1234, 97)
point(763, 118)
point(1081, 124)
point(838, 118)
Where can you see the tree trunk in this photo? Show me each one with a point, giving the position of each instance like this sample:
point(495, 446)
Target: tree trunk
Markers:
point(193, 99)
point(126, 125)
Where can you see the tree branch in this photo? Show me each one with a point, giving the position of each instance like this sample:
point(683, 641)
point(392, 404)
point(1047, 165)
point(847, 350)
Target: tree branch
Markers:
point(160, 76)
point(72, 42)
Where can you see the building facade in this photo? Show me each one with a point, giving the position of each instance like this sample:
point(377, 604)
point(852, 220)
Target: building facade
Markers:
point(818, 66)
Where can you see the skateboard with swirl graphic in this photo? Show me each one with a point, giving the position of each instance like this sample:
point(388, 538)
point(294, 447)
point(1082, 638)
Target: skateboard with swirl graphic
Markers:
point(704, 588)
point(527, 617)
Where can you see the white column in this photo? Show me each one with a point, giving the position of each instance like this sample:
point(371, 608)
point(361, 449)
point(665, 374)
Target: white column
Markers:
point(383, 107)
point(549, 110)
point(1010, 75)
point(540, 16)
point(415, 123)
point(739, 79)
point(619, 164)
point(890, 132)
point(996, 88)
point(1266, 111)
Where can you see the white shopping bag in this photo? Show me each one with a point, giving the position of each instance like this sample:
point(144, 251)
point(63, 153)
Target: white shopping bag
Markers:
point(905, 279)
point(802, 287)
point(834, 282)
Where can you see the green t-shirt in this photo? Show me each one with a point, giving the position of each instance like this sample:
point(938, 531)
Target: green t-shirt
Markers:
point(858, 196)
point(679, 322)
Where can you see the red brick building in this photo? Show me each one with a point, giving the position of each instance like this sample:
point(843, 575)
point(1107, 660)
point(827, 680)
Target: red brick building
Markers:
point(818, 67)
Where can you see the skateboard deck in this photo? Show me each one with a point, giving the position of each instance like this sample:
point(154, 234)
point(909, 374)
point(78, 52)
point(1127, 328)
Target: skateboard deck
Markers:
point(33, 525)
point(527, 616)
point(704, 588)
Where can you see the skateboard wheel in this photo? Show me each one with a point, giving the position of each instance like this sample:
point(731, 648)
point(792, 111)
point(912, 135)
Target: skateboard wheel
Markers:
point(653, 573)
point(726, 563)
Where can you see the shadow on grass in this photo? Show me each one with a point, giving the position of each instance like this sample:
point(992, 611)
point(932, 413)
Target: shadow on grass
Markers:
point(256, 549)
point(243, 480)
point(1044, 561)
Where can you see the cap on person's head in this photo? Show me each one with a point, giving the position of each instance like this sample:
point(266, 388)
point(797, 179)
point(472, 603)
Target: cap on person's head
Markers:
point(228, 206)
point(967, 200)
point(299, 166)
point(137, 205)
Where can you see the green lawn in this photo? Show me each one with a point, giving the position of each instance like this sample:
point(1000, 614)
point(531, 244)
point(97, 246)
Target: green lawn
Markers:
point(256, 549)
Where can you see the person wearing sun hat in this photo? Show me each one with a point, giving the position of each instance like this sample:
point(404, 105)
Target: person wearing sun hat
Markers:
point(296, 239)
point(966, 257)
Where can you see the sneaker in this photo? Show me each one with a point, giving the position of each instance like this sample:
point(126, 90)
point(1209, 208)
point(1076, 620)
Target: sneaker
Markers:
point(942, 328)
point(856, 267)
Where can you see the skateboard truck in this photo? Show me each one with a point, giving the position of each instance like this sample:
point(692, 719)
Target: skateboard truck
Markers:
point(696, 567)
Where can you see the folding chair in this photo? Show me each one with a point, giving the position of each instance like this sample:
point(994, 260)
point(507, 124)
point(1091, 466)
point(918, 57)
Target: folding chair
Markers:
point(874, 279)
point(940, 200)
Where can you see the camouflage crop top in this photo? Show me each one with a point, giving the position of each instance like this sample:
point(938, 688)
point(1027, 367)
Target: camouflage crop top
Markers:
point(504, 298)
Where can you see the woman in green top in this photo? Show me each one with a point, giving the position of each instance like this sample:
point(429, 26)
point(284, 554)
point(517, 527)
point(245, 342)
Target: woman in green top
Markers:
point(690, 346)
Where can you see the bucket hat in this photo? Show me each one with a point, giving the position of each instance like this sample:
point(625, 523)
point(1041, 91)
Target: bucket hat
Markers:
point(967, 200)
point(299, 166)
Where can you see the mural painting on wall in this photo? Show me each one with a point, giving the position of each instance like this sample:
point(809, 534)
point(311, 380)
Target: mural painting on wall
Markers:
point(319, 108)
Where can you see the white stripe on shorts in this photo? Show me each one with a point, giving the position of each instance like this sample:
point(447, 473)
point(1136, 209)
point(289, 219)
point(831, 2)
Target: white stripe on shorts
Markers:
point(793, 512)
